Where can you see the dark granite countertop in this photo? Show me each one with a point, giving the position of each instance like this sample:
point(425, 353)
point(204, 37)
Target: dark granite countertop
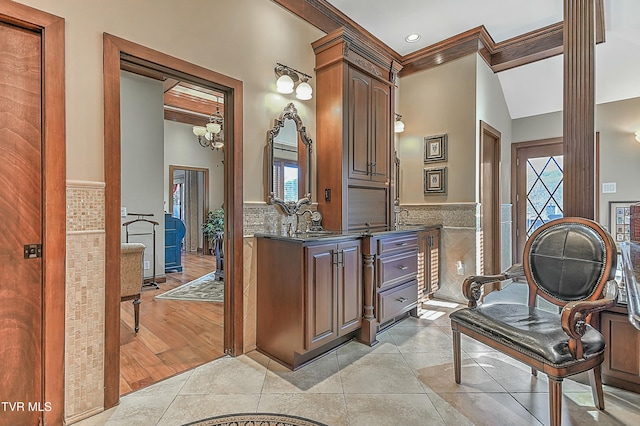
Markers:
point(344, 235)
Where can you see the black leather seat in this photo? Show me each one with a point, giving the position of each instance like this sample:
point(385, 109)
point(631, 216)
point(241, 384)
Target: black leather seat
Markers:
point(567, 262)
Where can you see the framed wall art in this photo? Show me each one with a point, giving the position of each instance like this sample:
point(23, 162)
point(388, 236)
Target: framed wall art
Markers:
point(435, 148)
point(620, 220)
point(435, 180)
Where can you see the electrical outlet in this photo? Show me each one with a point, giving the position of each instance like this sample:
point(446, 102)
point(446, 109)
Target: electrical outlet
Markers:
point(460, 267)
point(123, 212)
point(147, 265)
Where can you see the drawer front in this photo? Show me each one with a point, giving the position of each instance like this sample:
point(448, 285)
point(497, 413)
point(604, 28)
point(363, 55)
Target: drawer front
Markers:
point(400, 242)
point(397, 268)
point(397, 300)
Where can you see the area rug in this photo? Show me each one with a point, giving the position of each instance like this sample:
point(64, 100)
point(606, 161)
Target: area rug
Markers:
point(203, 289)
point(255, 419)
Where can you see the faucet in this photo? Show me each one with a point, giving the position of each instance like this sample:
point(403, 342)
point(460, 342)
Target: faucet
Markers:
point(397, 210)
point(298, 214)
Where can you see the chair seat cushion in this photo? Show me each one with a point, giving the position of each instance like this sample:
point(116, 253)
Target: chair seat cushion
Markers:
point(531, 331)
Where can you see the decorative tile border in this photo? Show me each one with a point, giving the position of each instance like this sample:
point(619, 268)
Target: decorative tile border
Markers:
point(85, 205)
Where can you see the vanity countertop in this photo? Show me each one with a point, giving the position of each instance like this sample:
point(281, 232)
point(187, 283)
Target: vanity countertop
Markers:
point(312, 236)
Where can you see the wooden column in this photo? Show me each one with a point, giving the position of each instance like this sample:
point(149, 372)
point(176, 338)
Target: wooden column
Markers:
point(579, 109)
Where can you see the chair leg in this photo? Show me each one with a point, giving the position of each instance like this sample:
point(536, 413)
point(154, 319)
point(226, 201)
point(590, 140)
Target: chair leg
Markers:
point(595, 379)
point(456, 355)
point(555, 401)
point(136, 314)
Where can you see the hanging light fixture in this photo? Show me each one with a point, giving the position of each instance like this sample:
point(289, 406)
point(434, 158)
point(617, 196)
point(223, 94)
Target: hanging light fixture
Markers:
point(398, 126)
point(290, 79)
point(211, 135)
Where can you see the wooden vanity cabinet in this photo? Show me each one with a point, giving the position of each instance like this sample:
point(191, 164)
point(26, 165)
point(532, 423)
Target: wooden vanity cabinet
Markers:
point(621, 366)
point(354, 131)
point(309, 297)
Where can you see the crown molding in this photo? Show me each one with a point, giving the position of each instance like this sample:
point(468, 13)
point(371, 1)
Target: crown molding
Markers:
point(520, 50)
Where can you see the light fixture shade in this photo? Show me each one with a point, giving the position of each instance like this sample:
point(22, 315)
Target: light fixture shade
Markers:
point(284, 84)
point(218, 144)
point(398, 127)
point(199, 131)
point(213, 127)
point(304, 91)
point(638, 135)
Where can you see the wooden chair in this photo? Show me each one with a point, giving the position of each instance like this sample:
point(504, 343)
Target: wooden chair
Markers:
point(131, 276)
point(567, 262)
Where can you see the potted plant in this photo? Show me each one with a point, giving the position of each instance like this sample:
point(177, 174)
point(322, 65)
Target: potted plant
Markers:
point(213, 230)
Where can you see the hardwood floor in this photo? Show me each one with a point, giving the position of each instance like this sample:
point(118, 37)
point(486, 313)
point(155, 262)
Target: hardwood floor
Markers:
point(174, 335)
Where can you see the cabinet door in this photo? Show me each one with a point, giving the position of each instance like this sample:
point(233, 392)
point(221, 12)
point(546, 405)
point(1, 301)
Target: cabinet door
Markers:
point(359, 127)
point(321, 295)
point(621, 365)
point(380, 140)
point(350, 308)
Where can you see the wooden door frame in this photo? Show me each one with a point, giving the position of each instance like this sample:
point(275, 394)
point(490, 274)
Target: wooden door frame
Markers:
point(486, 129)
point(514, 187)
point(205, 197)
point(51, 29)
point(116, 49)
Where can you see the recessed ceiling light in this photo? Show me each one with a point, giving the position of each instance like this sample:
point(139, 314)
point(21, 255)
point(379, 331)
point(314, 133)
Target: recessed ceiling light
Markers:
point(412, 38)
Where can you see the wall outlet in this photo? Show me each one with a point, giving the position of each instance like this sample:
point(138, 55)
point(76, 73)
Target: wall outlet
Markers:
point(147, 265)
point(460, 267)
point(123, 212)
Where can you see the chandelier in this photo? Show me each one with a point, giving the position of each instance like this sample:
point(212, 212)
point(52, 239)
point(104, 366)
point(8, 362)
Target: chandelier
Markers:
point(211, 135)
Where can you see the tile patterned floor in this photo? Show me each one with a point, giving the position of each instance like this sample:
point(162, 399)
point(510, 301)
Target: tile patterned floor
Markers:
point(407, 379)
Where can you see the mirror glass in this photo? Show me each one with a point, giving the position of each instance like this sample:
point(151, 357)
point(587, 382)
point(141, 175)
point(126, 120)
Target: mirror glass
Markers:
point(289, 165)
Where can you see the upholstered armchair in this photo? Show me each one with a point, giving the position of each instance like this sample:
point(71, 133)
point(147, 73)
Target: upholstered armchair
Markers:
point(131, 276)
point(568, 262)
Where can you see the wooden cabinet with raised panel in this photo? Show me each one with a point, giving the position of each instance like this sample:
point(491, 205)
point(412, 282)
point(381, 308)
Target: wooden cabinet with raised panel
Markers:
point(621, 366)
point(354, 133)
point(309, 296)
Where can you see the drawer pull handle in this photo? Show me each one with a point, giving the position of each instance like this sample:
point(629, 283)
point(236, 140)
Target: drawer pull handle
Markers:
point(402, 299)
point(403, 243)
point(402, 268)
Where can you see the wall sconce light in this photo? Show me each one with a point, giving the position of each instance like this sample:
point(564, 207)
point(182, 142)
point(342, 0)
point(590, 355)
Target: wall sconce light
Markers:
point(638, 135)
point(398, 126)
point(211, 135)
point(290, 78)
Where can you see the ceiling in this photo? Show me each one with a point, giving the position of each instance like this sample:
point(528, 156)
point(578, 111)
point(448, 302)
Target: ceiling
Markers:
point(531, 89)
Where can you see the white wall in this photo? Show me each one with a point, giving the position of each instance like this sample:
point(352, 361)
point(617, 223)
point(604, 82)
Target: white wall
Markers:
point(142, 159)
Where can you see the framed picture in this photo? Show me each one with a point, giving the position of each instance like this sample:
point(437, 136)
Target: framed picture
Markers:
point(620, 220)
point(435, 180)
point(435, 148)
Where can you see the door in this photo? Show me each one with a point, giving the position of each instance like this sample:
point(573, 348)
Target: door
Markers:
point(490, 201)
point(380, 131)
point(349, 287)
point(538, 185)
point(321, 295)
point(359, 101)
point(21, 279)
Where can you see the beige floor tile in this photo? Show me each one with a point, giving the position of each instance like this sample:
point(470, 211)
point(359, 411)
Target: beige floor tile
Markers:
point(133, 410)
point(490, 409)
point(319, 376)
point(240, 375)
point(325, 408)
point(421, 339)
point(439, 378)
point(377, 373)
point(578, 409)
point(170, 386)
point(391, 410)
point(190, 408)
point(385, 345)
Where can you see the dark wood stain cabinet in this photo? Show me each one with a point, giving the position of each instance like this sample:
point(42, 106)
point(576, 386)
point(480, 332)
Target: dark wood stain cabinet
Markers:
point(621, 367)
point(310, 297)
point(354, 133)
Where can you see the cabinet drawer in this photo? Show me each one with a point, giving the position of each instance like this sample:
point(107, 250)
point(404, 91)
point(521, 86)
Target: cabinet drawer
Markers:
point(396, 268)
point(401, 242)
point(397, 300)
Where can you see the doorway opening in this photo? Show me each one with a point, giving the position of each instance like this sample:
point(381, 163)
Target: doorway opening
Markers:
point(119, 55)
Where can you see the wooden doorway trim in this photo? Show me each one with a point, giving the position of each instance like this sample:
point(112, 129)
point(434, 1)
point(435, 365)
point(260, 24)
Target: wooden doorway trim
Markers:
point(51, 28)
point(116, 51)
point(488, 132)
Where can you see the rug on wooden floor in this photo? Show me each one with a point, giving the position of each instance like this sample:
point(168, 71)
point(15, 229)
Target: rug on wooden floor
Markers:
point(255, 419)
point(203, 289)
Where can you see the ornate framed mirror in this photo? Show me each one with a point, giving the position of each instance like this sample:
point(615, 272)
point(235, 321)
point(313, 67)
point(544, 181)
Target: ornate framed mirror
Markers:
point(289, 162)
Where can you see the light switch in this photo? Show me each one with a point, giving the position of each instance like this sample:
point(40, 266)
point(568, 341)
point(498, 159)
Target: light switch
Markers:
point(609, 188)
point(123, 212)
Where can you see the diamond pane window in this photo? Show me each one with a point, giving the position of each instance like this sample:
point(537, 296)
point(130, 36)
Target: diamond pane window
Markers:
point(544, 191)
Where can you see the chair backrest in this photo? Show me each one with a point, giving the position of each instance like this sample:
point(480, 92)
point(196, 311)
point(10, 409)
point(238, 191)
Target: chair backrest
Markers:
point(131, 272)
point(569, 259)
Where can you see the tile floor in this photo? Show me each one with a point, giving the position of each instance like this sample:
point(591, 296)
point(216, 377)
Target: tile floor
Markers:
point(407, 379)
